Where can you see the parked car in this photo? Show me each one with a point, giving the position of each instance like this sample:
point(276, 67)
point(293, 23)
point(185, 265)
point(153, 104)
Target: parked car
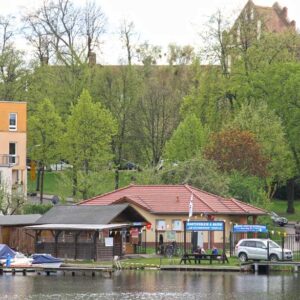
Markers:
point(257, 249)
point(281, 221)
point(60, 166)
point(128, 165)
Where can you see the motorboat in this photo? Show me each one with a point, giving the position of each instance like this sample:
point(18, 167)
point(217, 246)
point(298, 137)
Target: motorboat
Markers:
point(11, 258)
point(45, 261)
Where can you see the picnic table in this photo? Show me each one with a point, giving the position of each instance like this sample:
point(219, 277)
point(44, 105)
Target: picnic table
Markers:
point(197, 257)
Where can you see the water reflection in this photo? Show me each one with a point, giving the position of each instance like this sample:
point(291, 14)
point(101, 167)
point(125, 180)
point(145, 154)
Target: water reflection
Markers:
point(152, 285)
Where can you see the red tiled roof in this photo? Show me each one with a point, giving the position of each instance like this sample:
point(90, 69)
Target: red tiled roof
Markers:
point(174, 199)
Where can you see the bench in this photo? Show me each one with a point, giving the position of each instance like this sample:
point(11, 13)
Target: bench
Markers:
point(196, 258)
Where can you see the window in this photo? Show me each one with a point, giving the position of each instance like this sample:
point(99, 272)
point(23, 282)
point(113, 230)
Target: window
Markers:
point(176, 225)
point(12, 121)
point(160, 224)
point(250, 244)
point(252, 13)
point(12, 153)
point(258, 29)
point(238, 34)
point(260, 245)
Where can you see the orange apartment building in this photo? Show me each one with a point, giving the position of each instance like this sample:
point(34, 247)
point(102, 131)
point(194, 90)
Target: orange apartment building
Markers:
point(13, 172)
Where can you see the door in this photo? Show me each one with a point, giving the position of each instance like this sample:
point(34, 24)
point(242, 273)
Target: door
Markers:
point(261, 250)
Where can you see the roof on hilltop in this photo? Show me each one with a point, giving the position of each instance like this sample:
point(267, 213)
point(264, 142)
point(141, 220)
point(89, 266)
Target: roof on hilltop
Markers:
point(174, 199)
point(275, 17)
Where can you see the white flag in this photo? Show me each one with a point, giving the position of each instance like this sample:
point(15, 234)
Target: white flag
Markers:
point(191, 206)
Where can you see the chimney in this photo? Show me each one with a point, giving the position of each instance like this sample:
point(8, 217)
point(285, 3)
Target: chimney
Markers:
point(92, 58)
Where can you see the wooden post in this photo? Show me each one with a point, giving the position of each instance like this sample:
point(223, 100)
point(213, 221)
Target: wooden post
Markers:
point(76, 244)
point(37, 233)
point(254, 218)
point(56, 235)
point(95, 244)
point(184, 236)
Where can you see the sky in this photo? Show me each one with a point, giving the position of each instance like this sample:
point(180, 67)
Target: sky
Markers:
point(159, 22)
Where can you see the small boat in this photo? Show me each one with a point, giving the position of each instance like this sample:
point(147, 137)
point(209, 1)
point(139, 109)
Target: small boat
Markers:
point(11, 258)
point(45, 261)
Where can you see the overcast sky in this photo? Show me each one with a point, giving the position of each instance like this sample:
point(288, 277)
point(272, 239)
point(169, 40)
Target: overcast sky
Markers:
point(160, 22)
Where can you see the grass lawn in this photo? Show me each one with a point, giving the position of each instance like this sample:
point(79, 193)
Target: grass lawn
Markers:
point(59, 182)
point(156, 261)
point(280, 206)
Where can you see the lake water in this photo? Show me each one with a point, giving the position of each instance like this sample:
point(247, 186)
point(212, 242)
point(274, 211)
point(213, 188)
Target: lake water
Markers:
point(146, 285)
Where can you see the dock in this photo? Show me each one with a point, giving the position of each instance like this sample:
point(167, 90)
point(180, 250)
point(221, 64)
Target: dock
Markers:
point(266, 266)
point(72, 270)
point(207, 268)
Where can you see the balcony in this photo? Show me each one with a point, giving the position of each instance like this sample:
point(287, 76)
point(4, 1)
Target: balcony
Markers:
point(7, 160)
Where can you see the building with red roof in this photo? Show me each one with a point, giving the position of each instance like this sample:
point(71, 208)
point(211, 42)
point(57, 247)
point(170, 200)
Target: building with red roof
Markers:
point(167, 206)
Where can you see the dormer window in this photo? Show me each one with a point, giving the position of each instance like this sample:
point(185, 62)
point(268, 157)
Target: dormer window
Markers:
point(238, 34)
point(252, 14)
point(258, 29)
point(12, 121)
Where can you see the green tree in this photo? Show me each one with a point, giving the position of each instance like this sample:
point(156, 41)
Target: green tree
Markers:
point(279, 85)
point(249, 189)
point(198, 172)
point(187, 140)
point(269, 132)
point(45, 130)
point(90, 129)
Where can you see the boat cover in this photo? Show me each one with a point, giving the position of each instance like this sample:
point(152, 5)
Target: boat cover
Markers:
point(44, 258)
point(4, 250)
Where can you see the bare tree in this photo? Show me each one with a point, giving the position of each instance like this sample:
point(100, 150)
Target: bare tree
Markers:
point(216, 41)
point(94, 26)
point(72, 32)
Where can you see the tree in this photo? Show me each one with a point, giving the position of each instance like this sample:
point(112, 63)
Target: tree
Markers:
point(90, 129)
point(249, 189)
point(269, 132)
point(71, 32)
point(12, 69)
point(187, 140)
point(198, 172)
point(10, 202)
point(237, 150)
point(278, 84)
point(45, 131)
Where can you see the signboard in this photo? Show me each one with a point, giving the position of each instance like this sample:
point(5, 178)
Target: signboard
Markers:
point(138, 224)
point(205, 226)
point(250, 228)
point(134, 232)
point(109, 242)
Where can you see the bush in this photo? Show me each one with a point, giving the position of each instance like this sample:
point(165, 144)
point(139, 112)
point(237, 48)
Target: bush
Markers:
point(36, 208)
point(248, 189)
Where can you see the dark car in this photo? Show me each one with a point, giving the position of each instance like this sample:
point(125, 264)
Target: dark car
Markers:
point(128, 165)
point(281, 221)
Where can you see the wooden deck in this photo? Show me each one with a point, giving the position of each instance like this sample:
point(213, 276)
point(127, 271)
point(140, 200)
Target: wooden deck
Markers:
point(191, 267)
point(62, 270)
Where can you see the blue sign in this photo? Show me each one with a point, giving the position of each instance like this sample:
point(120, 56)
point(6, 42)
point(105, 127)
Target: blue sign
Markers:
point(204, 226)
point(250, 228)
